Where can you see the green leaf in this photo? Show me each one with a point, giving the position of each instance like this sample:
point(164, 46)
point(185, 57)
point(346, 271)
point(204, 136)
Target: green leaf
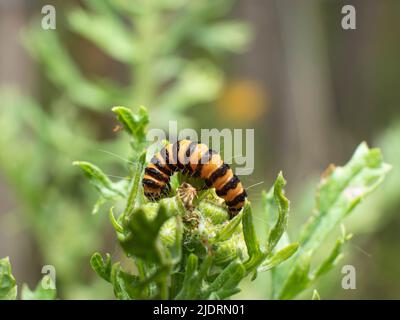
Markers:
point(142, 235)
point(8, 287)
point(200, 82)
point(193, 278)
point(280, 256)
point(134, 124)
point(226, 282)
point(146, 286)
point(124, 7)
point(250, 236)
point(298, 279)
point(254, 252)
point(176, 249)
point(99, 180)
point(63, 72)
point(114, 222)
point(226, 232)
point(190, 274)
point(336, 254)
point(135, 186)
point(100, 266)
point(341, 190)
point(223, 294)
point(125, 285)
point(108, 34)
point(283, 208)
point(231, 36)
point(268, 205)
point(47, 292)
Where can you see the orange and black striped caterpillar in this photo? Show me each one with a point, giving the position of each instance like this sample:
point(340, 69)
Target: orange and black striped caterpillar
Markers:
point(197, 160)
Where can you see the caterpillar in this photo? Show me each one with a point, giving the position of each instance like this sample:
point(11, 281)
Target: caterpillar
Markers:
point(197, 160)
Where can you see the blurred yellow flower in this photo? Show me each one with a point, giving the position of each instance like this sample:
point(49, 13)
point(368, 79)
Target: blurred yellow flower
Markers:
point(242, 101)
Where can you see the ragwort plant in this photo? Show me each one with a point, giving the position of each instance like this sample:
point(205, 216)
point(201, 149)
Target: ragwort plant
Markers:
point(172, 52)
point(200, 254)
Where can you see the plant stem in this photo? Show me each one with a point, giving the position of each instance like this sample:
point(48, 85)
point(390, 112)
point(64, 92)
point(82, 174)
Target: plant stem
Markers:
point(144, 84)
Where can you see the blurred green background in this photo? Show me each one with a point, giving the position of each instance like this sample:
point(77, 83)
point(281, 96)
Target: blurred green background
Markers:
point(311, 90)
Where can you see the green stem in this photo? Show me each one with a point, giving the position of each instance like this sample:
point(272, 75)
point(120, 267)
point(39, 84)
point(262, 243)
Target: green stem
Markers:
point(163, 289)
point(144, 84)
point(142, 275)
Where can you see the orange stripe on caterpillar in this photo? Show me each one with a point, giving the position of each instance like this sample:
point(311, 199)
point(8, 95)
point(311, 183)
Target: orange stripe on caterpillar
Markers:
point(196, 160)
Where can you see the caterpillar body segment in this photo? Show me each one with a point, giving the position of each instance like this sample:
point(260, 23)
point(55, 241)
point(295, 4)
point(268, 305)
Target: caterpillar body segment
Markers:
point(196, 160)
